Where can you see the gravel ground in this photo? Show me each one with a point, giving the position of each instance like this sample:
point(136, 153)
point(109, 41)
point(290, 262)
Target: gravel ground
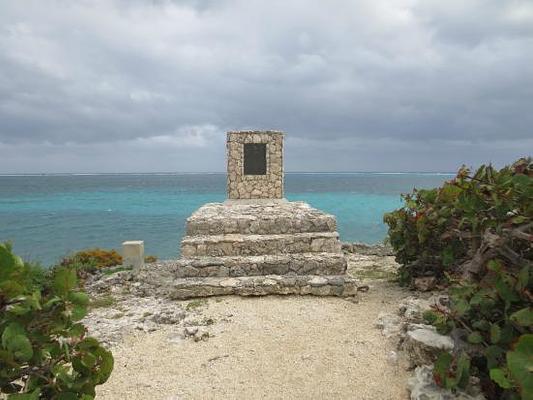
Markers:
point(267, 348)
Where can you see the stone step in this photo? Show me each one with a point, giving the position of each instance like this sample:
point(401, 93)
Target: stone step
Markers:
point(280, 264)
point(186, 288)
point(258, 218)
point(249, 245)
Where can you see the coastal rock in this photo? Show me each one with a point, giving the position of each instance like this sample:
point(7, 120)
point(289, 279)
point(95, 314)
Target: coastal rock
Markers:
point(423, 387)
point(191, 330)
point(424, 344)
point(425, 283)
point(413, 309)
point(121, 315)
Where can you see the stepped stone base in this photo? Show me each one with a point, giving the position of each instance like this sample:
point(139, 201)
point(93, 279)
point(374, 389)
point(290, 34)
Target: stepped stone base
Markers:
point(275, 264)
point(255, 248)
point(186, 288)
point(243, 245)
point(260, 217)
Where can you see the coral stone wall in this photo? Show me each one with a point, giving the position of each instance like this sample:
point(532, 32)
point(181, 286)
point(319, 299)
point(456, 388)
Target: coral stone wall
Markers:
point(268, 186)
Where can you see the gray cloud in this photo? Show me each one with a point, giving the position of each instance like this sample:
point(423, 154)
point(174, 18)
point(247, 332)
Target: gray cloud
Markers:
point(367, 85)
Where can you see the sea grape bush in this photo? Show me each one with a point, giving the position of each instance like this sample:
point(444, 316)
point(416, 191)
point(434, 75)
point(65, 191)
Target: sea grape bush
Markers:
point(464, 223)
point(44, 350)
point(495, 317)
point(475, 234)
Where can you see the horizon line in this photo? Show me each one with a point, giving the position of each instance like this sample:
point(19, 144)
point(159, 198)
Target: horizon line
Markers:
point(218, 173)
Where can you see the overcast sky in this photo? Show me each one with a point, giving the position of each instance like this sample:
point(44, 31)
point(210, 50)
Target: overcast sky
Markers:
point(374, 85)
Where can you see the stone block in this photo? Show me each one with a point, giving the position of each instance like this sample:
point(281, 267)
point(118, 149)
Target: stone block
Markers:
point(250, 245)
point(133, 254)
point(257, 286)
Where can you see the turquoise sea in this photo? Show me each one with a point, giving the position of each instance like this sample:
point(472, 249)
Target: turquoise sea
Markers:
point(48, 216)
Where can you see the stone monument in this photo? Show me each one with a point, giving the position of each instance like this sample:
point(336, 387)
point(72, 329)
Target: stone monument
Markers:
point(256, 242)
point(255, 165)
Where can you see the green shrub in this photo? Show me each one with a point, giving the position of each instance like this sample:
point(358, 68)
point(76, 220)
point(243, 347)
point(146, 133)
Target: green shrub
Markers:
point(44, 350)
point(471, 219)
point(90, 260)
point(475, 233)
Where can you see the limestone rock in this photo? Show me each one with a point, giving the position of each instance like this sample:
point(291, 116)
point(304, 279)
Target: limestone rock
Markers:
point(424, 344)
point(413, 309)
point(425, 283)
point(423, 387)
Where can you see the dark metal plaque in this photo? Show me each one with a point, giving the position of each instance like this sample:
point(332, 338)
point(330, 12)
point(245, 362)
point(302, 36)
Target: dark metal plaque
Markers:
point(255, 159)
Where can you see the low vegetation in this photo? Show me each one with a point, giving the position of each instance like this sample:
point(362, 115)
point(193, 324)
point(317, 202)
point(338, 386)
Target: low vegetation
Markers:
point(45, 352)
point(195, 304)
point(150, 259)
point(91, 260)
point(102, 302)
point(475, 235)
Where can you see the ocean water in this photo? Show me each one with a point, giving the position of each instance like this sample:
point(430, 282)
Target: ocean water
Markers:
point(48, 216)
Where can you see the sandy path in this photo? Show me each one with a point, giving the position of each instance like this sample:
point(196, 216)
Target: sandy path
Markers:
point(267, 348)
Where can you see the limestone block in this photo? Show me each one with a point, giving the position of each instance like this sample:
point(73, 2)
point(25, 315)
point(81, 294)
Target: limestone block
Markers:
point(133, 254)
point(424, 344)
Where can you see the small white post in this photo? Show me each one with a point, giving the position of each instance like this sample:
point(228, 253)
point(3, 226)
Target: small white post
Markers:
point(133, 254)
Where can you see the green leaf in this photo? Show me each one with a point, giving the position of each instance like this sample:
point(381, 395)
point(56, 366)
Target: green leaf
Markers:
point(475, 338)
point(20, 309)
point(25, 396)
point(462, 373)
point(105, 364)
point(49, 303)
point(76, 330)
point(78, 312)
point(88, 360)
point(494, 355)
point(430, 316)
point(64, 280)
point(495, 333)
point(482, 325)
point(9, 262)
point(523, 317)
point(442, 365)
point(498, 376)
point(67, 396)
point(520, 364)
point(523, 278)
point(11, 289)
point(79, 298)
point(461, 307)
point(21, 348)
point(494, 265)
point(447, 256)
point(519, 219)
point(11, 331)
point(505, 292)
point(88, 343)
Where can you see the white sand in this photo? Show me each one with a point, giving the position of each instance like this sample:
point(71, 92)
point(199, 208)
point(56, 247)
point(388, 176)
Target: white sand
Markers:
point(267, 348)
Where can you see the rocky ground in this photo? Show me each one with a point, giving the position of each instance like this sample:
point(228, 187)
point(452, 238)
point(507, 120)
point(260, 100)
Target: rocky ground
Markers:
point(272, 347)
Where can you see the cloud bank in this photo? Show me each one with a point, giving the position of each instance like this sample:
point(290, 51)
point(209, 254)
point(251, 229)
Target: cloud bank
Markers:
point(372, 85)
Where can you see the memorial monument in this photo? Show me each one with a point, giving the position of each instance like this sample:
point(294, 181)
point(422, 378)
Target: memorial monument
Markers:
point(257, 242)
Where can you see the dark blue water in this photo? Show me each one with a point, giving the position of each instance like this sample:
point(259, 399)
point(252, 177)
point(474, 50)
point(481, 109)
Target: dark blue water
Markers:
point(47, 217)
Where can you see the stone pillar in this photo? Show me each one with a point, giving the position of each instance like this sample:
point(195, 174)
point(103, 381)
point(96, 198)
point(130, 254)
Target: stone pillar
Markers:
point(133, 254)
point(255, 164)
